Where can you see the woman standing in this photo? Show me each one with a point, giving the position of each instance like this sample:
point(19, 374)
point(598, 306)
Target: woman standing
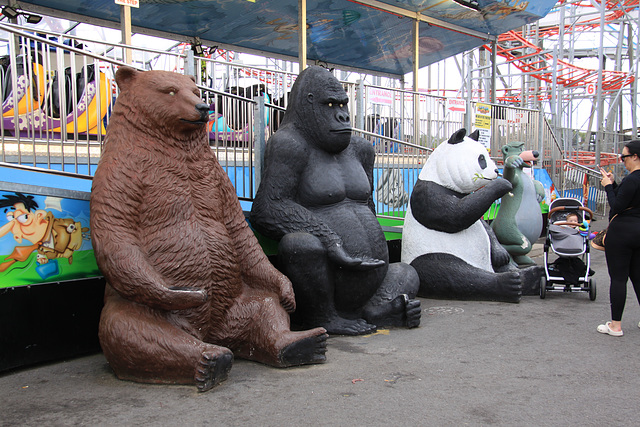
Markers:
point(622, 249)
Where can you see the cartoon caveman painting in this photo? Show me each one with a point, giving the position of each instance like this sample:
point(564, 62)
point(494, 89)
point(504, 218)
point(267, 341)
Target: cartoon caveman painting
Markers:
point(51, 237)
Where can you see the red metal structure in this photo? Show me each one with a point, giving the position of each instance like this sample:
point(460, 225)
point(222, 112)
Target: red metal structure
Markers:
point(533, 59)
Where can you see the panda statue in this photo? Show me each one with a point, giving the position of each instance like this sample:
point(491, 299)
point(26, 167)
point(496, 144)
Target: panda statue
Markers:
point(454, 251)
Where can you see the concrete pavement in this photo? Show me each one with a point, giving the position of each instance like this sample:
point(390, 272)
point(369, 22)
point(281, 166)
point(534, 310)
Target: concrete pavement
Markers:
point(540, 362)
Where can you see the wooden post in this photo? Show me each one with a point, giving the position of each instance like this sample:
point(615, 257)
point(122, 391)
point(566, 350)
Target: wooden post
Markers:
point(125, 24)
point(302, 34)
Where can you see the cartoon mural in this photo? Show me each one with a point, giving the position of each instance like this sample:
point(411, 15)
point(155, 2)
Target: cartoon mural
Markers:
point(44, 245)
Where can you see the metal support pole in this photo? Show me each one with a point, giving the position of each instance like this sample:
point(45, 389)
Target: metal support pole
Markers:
point(360, 105)
point(599, 97)
point(634, 84)
point(403, 116)
point(615, 101)
point(524, 80)
point(540, 137)
point(416, 81)
point(259, 143)
point(190, 66)
point(554, 100)
point(494, 69)
point(467, 117)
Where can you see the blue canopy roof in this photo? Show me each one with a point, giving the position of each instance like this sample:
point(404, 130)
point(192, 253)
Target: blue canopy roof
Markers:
point(370, 35)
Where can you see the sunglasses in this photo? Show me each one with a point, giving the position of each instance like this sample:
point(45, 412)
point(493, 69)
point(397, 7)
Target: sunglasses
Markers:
point(624, 156)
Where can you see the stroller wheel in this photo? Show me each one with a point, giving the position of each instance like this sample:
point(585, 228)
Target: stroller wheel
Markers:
point(592, 289)
point(543, 287)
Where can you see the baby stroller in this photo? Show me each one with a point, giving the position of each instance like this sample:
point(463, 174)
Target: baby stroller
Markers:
point(570, 241)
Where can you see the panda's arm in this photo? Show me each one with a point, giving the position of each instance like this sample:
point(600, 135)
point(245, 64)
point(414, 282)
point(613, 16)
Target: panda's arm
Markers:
point(442, 209)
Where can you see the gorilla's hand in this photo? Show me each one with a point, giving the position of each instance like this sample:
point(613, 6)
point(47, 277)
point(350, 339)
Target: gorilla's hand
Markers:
point(338, 255)
point(369, 263)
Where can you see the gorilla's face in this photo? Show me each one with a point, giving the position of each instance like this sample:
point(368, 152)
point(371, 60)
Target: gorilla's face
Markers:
point(329, 123)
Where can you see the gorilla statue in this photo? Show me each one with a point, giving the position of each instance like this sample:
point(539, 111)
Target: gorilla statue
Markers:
point(315, 198)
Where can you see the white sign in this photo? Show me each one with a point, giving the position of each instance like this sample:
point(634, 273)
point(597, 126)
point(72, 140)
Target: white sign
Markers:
point(591, 89)
point(380, 96)
point(132, 3)
point(485, 138)
point(457, 105)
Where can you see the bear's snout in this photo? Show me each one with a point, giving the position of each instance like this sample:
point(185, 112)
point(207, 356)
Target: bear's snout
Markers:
point(203, 109)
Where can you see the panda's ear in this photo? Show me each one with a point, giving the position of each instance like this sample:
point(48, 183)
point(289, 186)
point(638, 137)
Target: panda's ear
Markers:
point(475, 135)
point(458, 136)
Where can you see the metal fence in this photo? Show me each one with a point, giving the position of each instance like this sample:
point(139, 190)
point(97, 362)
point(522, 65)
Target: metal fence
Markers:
point(395, 172)
point(57, 93)
point(583, 183)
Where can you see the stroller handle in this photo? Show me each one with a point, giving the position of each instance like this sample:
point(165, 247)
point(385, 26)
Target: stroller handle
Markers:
point(571, 223)
point(572, 208)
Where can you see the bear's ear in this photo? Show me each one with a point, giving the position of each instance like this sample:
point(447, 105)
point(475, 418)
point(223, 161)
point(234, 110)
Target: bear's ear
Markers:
point(475, 135)
point(193, 78)
point(458, 136)
point(125, 75)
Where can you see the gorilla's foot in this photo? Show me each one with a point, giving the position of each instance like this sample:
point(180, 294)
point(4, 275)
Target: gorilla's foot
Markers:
point(401, 311)
point(414, 313)
point(213, 368)
point(305, 351)
point(509, 287)
point(342, 326)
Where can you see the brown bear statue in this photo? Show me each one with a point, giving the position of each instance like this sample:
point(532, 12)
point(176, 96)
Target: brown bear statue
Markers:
point(188, 285)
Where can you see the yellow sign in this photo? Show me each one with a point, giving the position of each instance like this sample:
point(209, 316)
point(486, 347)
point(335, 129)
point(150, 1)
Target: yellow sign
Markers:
point(483, 122)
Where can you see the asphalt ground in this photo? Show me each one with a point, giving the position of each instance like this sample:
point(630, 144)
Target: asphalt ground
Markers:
point(539, 362)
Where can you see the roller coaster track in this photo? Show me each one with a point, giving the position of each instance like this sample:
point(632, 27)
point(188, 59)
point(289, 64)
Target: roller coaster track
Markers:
point(532, 59)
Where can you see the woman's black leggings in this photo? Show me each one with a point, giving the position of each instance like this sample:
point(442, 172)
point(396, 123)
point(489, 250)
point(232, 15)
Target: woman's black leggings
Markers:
point(622, 250)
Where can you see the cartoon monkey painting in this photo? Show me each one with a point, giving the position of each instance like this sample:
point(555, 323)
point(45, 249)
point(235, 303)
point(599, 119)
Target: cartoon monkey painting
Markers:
point(51, 237)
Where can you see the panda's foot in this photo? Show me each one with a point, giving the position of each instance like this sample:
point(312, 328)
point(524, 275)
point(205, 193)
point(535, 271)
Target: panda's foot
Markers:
point(213, 368)
point(401, 311)
point(509, 286)
point(530, 278)
point(341, 326)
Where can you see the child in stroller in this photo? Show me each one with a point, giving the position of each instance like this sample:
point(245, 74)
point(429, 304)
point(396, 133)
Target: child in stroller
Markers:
point(567, 236)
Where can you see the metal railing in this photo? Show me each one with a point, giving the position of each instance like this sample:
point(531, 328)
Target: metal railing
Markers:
point(583, 183)
point(57, 97)
point(395, 172)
